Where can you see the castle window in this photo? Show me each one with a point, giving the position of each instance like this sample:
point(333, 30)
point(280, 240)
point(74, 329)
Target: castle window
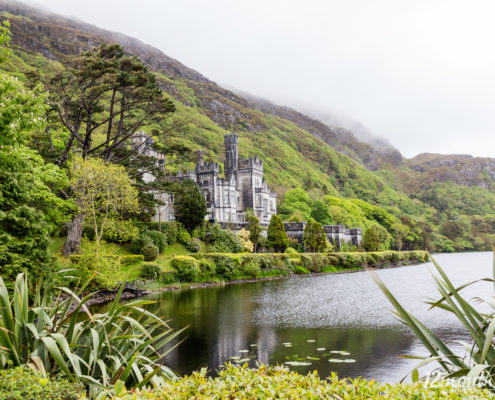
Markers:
point(258, 201)
point(226, 197)
point(205, 183)
point(265, 204)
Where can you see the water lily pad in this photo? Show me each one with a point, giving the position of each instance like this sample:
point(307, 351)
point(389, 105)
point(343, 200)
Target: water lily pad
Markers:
point(297, 363)
point(312, 358)
point(254, 345)
point(243, 351)
point(335, 360)
point(342, 352)
point(349, 360)
point(311, 340)
point(235, 358)
point(242, 360)
point(287, 343)
point(320, 349)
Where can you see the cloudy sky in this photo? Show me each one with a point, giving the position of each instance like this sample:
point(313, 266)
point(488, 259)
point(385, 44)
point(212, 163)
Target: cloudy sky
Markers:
point(418, 72)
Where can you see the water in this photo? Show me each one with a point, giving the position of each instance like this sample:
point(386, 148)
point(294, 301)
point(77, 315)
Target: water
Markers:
point(342, 312)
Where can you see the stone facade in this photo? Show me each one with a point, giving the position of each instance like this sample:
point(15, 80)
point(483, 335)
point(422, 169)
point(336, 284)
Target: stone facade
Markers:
point(243, 188)
point(334, 233)
point(227, 199)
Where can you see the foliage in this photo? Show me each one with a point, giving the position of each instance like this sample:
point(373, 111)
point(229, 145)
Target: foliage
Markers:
point(277, 238)
point(183, 236)
point(170, 230)
point(290, 250)
point(101, 268)
point(222, 241)
point(314, 238)
point(24, 383)
point(374, 238)
point(476, 365)
point(189, 205)
point(187, 268)
point(268, 382)
point(300, 270)
point(52, 337)
point(101, 191)
point(30, 210)
point(150, 272)
point(159, 239)
point(118, 230)
point(193, 245)
point(244, 237)
point(251, 268)
point(131, 259)
point(150, 252)
point(140, 241)
point(254, 228)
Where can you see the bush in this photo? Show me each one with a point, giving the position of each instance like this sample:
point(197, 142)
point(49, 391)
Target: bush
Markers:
point(290, 250)
point(300, 270)
point(159, 239)
point(150, 272)
point(120, 231)
point(169, 277)
point(207, 267)
point(183, 236)
point(170, 230)
point(24, 383)
point(187, 268)
point(279, 382)
point(251, 268)
point(139, 242)
point(150, 252)
point(131, 260)
point(193, 245)
point(223, 241)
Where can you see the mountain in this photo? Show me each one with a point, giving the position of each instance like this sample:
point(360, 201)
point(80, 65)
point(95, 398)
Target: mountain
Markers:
point(312, 150)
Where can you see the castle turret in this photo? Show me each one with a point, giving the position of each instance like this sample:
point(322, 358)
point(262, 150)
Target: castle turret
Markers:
point(231, 155)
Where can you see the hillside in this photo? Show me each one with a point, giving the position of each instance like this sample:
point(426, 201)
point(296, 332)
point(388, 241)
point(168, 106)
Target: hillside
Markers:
point(298, 151)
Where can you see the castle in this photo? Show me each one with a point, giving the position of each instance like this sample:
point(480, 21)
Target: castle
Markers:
point(227, 199)
point(335, 234)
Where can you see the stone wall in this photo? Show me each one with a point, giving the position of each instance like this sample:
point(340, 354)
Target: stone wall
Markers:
point(336, 234)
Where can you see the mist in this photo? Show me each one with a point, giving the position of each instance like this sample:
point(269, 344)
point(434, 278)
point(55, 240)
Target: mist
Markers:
point(418, 73)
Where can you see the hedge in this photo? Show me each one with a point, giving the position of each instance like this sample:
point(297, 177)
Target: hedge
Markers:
point(276, 382)
point(131, 259)
point(24, 383)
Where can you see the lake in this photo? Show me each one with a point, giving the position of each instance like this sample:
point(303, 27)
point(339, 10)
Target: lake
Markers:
point(340, 317)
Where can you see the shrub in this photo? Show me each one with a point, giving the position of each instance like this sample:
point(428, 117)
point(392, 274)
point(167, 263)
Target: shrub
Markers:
point(24, 383)
point(300, 270)
point(150, 252)
point(159, 239)
point(120, 231)
point(187, 268)
point(169, 277)
point(290, 250)
point(150, 272)
point(170, 230)
point(251, 268)
point(246, 243)
point(193, 245)
point(207, 267)
point(130, 260)
point(223, 241)
point(183, 236)
point(233, 382)
point(140, 241)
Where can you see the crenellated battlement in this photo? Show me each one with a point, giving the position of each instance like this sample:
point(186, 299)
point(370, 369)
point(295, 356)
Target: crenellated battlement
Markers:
point(250, 163)
point(207, 167)
point(294, 226)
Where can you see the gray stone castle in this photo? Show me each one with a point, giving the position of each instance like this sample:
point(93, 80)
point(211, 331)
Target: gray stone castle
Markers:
point(243, 188)
point(228, 198)
point(335, 234)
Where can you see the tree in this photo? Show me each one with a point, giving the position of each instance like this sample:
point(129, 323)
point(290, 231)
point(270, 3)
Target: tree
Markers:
point(247, 244)
point(101, 190)
point(189, 205)
point(314, 238)
point(320, 213)
point(374, 238)
point(30, 210)
point(254, 228)
point(296, 200)
point(277, 237)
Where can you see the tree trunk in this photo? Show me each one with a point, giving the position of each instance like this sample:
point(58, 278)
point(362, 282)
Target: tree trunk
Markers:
point(74, 234)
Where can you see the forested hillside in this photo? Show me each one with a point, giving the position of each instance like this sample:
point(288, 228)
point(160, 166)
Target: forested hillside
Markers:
point(450, 197)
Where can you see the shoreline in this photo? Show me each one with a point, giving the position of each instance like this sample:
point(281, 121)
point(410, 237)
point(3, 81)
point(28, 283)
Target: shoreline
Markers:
point(130, 293)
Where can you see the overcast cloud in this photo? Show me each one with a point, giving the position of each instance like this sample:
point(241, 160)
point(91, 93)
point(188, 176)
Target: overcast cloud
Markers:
point(420, 73)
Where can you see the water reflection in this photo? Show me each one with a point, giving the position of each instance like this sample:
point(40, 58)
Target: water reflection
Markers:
point(335, 312)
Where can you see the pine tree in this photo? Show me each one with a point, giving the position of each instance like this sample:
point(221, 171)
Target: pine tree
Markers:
point(277, 237)
point(189, 205)
point(314, 238)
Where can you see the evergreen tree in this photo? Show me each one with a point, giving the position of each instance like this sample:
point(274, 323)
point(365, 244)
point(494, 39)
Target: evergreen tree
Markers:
point(189, 205)
point(277, 237)
point(320, 213)
point(254, 228)
point(374, 238)
point(314, 238)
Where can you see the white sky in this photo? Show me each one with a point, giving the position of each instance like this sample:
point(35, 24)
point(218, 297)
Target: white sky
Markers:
point(419, 72)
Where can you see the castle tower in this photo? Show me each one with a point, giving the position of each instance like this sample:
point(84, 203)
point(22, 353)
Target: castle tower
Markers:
point(231, 154)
